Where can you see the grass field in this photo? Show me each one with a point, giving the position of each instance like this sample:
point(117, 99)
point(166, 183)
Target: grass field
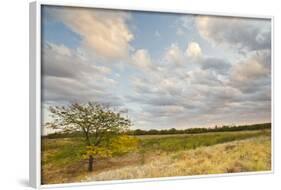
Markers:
point(160, 156)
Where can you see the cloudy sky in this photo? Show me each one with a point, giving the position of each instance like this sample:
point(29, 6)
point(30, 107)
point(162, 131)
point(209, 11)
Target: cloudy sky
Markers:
point(167, 70)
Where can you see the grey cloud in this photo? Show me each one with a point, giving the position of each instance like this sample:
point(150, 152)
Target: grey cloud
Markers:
point(201, 94)
point(204, 77)
point(219, 66)
point(64, 90)
point(153, 99)
point(66, 77)
point(56, 64)
point(164, 110)
point(244, 33)
point(252, 74)
point(197, 95)
point(208, 90)
point(60, 61)
point(103, 32)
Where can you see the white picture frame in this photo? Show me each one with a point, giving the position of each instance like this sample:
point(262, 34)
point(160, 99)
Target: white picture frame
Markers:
point(35, 92)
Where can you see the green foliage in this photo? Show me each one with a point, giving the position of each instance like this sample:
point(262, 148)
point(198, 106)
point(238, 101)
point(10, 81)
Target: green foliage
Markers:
point(171, 131)
point(116, 146)
point(124, 144)
point(98, 124)
point(200, 130)
point(97, 152)
point(185, 142)
point(62, 151)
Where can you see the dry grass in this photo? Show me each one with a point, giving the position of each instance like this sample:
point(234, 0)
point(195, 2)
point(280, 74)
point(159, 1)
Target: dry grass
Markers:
point(160, 155)
point(238, 156)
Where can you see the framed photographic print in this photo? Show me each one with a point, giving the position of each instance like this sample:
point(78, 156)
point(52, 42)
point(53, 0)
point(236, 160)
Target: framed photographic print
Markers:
point(124, 95)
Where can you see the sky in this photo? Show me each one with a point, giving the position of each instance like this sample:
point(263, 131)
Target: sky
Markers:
point(166, 70)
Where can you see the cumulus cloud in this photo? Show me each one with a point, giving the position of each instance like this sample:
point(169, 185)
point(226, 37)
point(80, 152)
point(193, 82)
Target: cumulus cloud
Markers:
point(180, 88)
point(208, 91)
point(243, 33)
point(141, 58)
point(204, 77)
point(184, 24)
point(174, 54)
point(61, 61)
point(203, 93)
point(105, 32)
point(67, 77)
point(165, 110)
point(253, 73)
point(217, 65)
point(250, 69)
point(193, 50)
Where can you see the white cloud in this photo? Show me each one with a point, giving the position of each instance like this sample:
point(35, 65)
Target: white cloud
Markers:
point(252, 74)
point(141, 58)
point(174, 54)
point(60, 49)
point(193, 50)
point(250, 69)
point(61, 61)
point(242, 33)
point(68, 77)
point(167, 93)
point(217, 65)
point(167, 110)
point(204, 77)
point(103, 31)
point(185, 24)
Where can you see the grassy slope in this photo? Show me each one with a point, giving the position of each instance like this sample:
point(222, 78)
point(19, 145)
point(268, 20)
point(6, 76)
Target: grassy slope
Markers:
point(238, 156)
point(186, 142)
point(62, 163)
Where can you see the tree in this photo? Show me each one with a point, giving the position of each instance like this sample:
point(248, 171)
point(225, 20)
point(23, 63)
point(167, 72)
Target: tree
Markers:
point(99, 124)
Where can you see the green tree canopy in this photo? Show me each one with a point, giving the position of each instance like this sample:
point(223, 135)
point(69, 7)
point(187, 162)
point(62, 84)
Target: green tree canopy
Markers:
point(98, 124)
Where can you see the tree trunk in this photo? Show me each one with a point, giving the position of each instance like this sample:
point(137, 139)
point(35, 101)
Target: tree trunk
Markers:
point(90, 166)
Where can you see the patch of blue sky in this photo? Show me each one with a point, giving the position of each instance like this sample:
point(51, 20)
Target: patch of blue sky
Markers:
point(153, 31)
point(54, 31)
point(156, 31)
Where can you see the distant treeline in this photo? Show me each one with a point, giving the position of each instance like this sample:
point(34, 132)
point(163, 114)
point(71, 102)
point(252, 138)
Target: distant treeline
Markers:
point(200, 130)
point(175, 131)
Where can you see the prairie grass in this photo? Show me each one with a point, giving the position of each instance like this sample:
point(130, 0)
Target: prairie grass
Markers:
point(186, 142)
point(239, 156)
point(160, 155)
